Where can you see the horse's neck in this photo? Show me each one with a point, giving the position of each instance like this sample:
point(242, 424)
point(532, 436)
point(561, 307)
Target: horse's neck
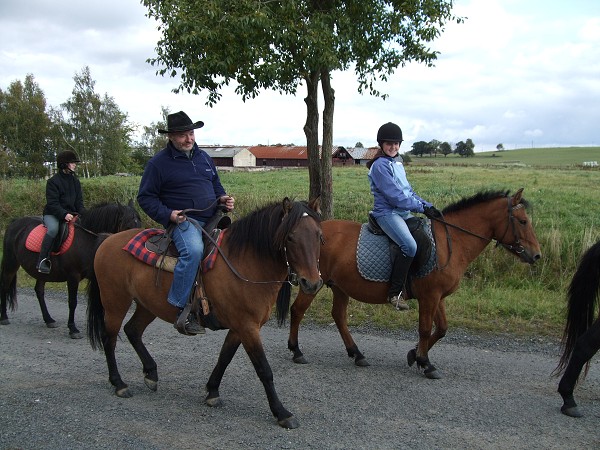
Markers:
point(473, 230)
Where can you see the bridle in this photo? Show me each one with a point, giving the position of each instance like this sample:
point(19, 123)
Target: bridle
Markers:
point(292, 276)
point(516, 247)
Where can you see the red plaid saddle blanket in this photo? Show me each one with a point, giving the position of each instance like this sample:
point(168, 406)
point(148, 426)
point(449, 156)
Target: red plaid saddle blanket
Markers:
point(137, 247)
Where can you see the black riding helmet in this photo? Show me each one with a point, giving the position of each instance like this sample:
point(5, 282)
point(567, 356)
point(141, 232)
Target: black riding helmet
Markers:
point(66, 157)
point(389, 132)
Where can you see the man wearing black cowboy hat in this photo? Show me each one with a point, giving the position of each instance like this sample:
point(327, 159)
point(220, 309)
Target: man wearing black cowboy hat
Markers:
point(182, 176)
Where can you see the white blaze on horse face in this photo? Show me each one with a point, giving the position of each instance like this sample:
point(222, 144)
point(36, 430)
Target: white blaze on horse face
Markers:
point(304, 214)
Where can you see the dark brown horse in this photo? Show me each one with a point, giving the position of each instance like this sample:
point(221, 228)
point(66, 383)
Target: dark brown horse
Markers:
point(581, 337)
point(71, 266)
point(470, 225)
point(263, 250)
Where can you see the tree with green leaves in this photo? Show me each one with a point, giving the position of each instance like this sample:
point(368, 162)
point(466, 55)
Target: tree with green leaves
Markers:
point(279, 45)
point(465, 149)
point(151, 142)
point(445, 148)
point(24, 129)
point(95, 128)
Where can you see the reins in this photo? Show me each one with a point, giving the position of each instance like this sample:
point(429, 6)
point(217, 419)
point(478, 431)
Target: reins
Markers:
point(292, 277)
point(516, 247)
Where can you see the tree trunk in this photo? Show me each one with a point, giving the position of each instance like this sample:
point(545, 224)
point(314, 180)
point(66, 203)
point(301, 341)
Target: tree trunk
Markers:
point(311, 131)
point(327, 147)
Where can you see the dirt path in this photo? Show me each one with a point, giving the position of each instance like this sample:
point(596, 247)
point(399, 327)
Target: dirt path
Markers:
point(54, 393)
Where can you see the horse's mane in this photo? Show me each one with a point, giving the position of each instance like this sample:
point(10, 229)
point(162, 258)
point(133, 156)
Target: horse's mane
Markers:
point(103, 217)
point(265, 230)
point(479, 198)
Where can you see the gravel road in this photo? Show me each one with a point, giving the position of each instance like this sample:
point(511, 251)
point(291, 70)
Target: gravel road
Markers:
point(496, 393)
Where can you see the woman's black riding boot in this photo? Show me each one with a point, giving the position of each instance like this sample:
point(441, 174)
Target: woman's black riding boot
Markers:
point(400, 266)
point(44, 265)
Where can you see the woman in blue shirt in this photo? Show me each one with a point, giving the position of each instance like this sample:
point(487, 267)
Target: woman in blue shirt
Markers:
point(393, 202)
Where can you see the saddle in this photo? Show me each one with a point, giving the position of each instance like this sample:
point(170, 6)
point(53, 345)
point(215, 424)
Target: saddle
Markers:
point(62, 242)
point(155, 247)
point(373, 253)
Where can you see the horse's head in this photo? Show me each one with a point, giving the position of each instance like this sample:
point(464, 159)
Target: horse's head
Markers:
point(300, 237)
point(519, 237)
point(129, 217)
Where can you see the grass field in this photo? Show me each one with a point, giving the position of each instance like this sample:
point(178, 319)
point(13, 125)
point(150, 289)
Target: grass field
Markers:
point(497, 294)
point(563, 157)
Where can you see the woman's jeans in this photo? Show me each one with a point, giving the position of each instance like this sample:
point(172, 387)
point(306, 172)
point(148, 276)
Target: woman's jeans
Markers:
point(188, 240)
point(51, 223)
point(397, 230)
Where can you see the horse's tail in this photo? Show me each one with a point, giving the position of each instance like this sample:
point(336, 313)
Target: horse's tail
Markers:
point(8, 272)
point(96, 329)
point(582, 300)
point(283, 303)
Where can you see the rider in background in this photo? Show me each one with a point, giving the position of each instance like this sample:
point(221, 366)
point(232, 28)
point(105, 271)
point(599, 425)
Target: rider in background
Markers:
point(393, 202)
point(182, 176)
point(64, 199)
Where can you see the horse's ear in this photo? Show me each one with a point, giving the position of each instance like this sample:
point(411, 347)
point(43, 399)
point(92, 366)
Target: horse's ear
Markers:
point(315, 205)
point(517, 197)
point(287, 205)
point(130, 204)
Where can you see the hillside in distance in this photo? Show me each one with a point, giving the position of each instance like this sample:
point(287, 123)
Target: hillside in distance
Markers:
point(540, 157)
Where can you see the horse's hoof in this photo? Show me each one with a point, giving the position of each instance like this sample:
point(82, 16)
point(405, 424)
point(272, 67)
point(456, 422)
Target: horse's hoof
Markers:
point(290, 423)
point(214, 402)
point(571, 411)
point(362, 362)
point(300, 360)
point(5, 322)
point(52, 324)
point(151, 384)
point(433, 375)
point(76, 335)
point(411, 357)
point(124, 392)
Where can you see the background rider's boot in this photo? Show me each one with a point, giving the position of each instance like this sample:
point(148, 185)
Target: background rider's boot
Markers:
point(44, 265)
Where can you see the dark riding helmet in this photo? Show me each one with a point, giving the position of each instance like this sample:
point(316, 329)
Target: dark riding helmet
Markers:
point(389, 132)
point(66, 157)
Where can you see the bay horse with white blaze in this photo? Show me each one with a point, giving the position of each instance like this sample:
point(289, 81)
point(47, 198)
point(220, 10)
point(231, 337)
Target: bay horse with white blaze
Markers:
point(259, 253)
point(70, 265)
point(581, 336)
point(468, 226)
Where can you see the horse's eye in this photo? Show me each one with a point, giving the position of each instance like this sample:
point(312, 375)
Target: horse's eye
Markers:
point(523, 221)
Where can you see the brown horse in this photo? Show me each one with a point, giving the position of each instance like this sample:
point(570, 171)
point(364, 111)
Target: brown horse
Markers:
point(71, 266)
point(466, 229)
point(259, 254)
point(581, 337)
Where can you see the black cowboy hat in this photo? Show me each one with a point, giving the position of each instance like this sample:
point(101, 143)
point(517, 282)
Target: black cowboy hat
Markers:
point(180, 122)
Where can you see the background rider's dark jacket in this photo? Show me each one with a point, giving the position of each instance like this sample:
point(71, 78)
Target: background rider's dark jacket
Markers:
point(172, 181)
point(63, 195)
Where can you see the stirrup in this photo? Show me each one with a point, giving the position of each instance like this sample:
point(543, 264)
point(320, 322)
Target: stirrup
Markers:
point(44, 266)
point(188, 327)
point(398, 302)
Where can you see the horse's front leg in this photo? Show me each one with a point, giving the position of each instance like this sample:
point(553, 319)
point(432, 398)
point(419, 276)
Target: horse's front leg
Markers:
point(253, 346)
point(297, 311)
point(420, 355)
point(72, 287)
point(39, 293)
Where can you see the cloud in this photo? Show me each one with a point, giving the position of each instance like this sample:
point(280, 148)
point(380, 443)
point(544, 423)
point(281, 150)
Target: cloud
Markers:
point(514, 72)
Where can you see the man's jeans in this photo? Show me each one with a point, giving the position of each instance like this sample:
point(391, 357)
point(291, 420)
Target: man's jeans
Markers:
point(188, 240)
point(397, 230)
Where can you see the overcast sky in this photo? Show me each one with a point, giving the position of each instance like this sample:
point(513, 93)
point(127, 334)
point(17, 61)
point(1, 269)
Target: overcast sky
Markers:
point(518, 72)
